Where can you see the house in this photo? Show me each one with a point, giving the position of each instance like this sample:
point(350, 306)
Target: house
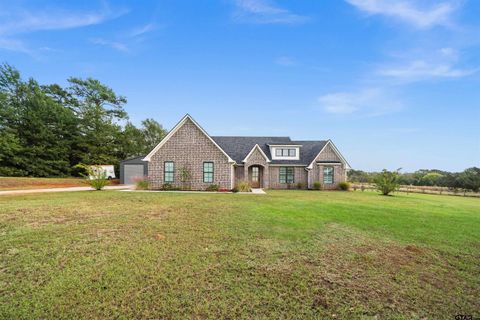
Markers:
point(189, 157)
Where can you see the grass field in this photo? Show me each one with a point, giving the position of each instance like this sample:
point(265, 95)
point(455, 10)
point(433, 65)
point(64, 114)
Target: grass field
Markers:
point(284, 255)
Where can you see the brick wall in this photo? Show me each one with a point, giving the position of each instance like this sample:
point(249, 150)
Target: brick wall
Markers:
point(339, 172)
point(300, 176)
point(189, 148)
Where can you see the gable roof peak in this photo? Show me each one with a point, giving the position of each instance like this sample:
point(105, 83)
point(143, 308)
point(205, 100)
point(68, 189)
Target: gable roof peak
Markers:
point(256, 147)
point(178, 126)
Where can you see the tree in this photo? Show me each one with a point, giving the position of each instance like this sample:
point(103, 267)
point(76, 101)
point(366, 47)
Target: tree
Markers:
point(46, 130)
point(153, 133)
point(387, 181)
point(359, 176)
point(131, 142)
point(431, 179)
point(100, 112)
point(35, 130)
point(470, 179)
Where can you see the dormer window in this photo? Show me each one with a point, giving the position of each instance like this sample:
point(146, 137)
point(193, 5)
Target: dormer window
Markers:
point(285, 152)
point(280, 152)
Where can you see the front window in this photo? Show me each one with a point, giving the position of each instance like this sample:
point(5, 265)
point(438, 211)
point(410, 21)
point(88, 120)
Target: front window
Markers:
point(328, 175)
point(286, 175)
point(208, 172)
point(168, 171)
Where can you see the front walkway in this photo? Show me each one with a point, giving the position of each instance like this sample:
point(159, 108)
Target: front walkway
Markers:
point(26, 191)
point(258, 191)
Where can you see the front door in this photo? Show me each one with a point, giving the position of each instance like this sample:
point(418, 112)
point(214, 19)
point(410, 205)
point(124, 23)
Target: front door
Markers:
point(255, 177)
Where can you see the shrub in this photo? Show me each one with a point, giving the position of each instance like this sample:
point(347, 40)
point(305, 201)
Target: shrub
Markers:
point(94, 176)
point(235, 189)
point(167, 186)
point(98, 183)
point(344, 186)
point(387, 181)
point(299, 185)
point(185, 178)
point(141, 183)
point(244, 186)
point(362, 187)
point(317, 185)
point(212, 187)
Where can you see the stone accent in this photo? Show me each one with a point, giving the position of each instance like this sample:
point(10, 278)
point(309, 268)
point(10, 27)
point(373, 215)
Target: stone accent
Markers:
point(339, 171)
point(300, 175)
point(257, 158)
point(188, 148)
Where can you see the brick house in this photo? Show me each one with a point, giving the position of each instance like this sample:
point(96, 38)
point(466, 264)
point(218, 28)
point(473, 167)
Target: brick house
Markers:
point(189, 157)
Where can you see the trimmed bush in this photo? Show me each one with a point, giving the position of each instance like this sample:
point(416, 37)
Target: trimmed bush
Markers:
point(212, 187)
point(317, 185)
point(300, 185)
point(344, 186)
point(235, 189)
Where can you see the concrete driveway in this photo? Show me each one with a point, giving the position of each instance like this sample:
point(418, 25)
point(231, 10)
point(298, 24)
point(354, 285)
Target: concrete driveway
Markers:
point(26, 191)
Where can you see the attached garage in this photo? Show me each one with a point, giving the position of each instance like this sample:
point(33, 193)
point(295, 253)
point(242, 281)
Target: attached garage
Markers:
point(132, 169)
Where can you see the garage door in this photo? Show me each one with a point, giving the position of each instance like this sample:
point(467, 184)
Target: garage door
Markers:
point(132, 171)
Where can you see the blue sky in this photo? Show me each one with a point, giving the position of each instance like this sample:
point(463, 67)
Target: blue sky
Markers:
point(392, 83)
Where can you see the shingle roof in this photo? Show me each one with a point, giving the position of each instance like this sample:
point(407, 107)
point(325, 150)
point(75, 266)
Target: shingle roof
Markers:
point(239, 147)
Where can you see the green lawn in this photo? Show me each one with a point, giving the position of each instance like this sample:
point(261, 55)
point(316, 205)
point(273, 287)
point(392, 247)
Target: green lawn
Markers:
point(288, 254)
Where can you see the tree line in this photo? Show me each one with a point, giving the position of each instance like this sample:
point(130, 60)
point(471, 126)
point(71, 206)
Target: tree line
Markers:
point(47, 130)
point(469, 179)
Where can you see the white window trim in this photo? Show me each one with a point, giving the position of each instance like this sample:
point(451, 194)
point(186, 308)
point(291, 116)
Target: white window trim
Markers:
point(333, 175)
point(274, 147)
point(329, 164)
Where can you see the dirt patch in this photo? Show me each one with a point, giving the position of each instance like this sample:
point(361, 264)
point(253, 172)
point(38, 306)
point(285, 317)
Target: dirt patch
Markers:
point(159, 236)
point(15, 183)
point(413, 248)
point(360, 273)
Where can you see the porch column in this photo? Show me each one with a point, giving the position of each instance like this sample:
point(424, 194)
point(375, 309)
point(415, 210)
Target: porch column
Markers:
point(266, 176)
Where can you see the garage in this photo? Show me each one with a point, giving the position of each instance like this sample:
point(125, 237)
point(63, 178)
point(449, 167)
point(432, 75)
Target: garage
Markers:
point(133, 169)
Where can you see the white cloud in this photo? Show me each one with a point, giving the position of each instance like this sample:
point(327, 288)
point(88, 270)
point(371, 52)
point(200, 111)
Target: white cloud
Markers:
point(13, 45)
point(420, 69)
point(53, 20)
point(369, 102)
point(265, 12)
point(285, 61)
point(142, 30)
point(14, 23)
point(409, 11)
point(439, 64)
point(119, 46)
